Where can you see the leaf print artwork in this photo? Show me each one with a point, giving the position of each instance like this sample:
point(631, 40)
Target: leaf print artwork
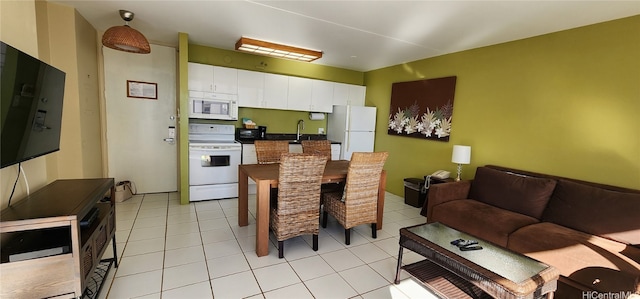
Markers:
point(422, 109)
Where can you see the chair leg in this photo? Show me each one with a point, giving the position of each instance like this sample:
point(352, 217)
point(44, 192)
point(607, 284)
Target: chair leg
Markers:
point(347, 236)
point(324, 219)
point(280, 249)
point(374, 230)
point(315, 242)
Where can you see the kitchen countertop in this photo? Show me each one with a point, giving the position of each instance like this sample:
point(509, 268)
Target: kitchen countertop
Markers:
point(291, 138)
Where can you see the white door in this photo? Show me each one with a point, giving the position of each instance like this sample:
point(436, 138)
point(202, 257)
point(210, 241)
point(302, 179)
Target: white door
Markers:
point(362, 118)
point(137, 127)
point(357, 141)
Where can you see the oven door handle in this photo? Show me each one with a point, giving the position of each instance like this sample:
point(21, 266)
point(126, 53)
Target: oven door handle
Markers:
point(213, 150)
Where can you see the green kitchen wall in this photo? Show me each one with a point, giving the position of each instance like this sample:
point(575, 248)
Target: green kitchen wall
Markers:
point(566, 103)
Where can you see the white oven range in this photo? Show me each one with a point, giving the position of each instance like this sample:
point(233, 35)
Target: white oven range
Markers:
point(214, 156)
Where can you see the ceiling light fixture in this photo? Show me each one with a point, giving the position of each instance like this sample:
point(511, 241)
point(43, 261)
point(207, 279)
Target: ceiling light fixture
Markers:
point(125, 38)
point(276, 50)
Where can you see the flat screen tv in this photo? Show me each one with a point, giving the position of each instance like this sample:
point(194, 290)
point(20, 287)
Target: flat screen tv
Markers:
point(31, 107)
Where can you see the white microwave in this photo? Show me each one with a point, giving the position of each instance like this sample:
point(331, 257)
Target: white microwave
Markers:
point(211, 105)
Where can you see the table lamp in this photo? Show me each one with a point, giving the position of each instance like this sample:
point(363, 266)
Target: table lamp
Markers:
point(461, 155)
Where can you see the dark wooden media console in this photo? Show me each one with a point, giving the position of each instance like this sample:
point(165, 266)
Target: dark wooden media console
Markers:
point(45, 252)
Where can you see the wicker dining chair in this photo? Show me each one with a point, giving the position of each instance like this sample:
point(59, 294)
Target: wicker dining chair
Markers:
point(317, 147)
point(297, 211)
point(323, 148)
point(358, 204)
point(269, 151)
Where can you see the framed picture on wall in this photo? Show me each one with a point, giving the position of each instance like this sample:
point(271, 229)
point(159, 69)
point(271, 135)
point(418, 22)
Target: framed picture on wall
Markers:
point(142, 90)
point(422, 109)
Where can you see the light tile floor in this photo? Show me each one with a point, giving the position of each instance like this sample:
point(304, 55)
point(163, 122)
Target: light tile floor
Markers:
point(168, 250)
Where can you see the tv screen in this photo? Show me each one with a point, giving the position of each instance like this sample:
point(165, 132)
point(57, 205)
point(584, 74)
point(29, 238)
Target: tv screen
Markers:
point(31, 107)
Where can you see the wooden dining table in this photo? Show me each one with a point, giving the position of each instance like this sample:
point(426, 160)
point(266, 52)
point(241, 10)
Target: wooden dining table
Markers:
point(266, 177)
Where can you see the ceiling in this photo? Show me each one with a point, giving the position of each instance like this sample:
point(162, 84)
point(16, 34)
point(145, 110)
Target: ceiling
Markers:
point(356, 35)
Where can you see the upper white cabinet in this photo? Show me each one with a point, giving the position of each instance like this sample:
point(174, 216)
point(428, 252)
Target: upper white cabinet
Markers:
point(200, 77)
point(348, 94)
point(209, 78)
point(250, 89)
point(276, 89)
point(273, 91)
point(225, 80)
point(322, 96)
point(299, 94)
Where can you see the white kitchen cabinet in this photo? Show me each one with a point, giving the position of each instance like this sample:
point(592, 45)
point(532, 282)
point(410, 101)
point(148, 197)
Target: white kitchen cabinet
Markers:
point(357, 95)
point(249, 157)
point(335, 151)
point(348, 94)
point(295, 148)
point(209, 78)
point(276, 88)
point(200, 77)
point(310, 95)
point(225, 80)
point(322, 96)
point(250, 89)
point(299, 96)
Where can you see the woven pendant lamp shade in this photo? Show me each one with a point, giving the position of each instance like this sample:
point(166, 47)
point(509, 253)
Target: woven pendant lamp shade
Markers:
point(125, 38)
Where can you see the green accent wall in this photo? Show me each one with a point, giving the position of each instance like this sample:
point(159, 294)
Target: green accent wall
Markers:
point(183, 117)
point(565, 103)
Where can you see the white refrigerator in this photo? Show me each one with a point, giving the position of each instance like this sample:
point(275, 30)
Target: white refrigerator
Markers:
point(354, 127)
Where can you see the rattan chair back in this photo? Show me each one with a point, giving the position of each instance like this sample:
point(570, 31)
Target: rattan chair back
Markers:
point(317, 147)
point(270, 151)
point(361, 188)
point(297, 211)
point(360, 196)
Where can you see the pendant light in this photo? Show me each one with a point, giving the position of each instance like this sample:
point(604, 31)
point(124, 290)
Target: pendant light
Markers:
point(125, 38)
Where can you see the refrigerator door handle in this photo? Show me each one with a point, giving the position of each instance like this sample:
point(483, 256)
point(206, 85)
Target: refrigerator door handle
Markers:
point(349, 127)
point(348, 140)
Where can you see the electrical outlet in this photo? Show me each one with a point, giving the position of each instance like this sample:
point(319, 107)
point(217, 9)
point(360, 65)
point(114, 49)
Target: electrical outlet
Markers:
point(320, 130)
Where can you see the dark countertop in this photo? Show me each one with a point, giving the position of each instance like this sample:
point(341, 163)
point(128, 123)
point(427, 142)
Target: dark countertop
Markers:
point(291, 138)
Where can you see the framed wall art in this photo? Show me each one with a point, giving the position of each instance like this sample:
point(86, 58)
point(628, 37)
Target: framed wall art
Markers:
point(142, 90)
point(422, 109)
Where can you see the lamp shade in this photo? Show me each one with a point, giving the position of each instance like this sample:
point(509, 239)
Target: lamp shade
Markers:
point(461, 154)
point(125, 38)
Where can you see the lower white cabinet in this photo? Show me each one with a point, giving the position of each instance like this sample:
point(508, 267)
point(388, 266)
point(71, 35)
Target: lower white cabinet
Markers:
point(335, 151)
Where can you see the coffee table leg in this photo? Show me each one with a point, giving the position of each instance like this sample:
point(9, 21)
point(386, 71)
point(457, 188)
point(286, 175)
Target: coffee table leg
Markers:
point(397, 281)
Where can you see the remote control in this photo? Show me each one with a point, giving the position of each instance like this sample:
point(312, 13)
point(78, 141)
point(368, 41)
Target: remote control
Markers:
point(456, 242)
point(469, 248)
point(466, 243)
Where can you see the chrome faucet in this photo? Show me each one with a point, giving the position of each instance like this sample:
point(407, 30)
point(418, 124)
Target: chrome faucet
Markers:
point(300, 122)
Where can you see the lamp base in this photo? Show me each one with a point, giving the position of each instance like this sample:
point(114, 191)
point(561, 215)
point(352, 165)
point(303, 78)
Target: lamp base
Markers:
point(459, 172)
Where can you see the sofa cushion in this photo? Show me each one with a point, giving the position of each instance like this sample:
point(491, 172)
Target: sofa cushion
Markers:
point(596, 263)
point(521, 194)
point(480, 219)
point(610, 214)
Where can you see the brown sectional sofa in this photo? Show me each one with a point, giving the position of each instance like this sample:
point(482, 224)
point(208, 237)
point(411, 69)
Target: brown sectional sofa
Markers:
point(589, 231)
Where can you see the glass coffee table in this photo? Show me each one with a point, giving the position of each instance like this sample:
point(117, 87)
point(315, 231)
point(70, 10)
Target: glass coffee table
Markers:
point(490, 272)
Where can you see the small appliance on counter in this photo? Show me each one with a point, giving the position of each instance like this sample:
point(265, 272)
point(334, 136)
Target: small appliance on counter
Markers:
point(243, 134)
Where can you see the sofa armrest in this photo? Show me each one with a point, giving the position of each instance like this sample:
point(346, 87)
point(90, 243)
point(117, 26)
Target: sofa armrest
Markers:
point(440, 193)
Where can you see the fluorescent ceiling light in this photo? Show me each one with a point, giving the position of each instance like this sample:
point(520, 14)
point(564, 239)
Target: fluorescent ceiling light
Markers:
point(276, 50)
